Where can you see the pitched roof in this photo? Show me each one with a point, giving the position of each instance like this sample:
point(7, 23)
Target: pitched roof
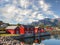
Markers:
point(11, 27)
point(36, 26)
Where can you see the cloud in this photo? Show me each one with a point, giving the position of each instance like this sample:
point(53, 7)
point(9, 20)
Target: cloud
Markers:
point(34, 14)
point(56, 16)
point(9, 11)
point(35, 7)
point(40, 16)
point(26, 11)
point(6, 0)
point(24, 3)
point(46, 8)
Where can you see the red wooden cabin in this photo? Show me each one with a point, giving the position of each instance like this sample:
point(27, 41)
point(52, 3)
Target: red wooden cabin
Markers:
point(36, 30)
point(12, 30)
point(29, 29)
point(42, 30)
point(26, 29)
point(22, 29)
point(39, 30)
point(50, 28)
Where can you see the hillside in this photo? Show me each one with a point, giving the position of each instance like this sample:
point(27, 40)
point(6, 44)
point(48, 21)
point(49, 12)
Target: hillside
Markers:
point(47, 21)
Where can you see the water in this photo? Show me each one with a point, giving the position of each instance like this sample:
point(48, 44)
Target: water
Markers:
point(54, 40)
point(45, 40)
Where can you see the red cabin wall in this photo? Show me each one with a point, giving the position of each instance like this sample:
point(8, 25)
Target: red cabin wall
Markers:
point(11, 31)
point(22, 30)
point(42, 31)
point(49, 28)
point(36, 30)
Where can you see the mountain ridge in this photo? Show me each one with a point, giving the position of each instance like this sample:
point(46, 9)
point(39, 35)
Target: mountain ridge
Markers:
point(47, 21)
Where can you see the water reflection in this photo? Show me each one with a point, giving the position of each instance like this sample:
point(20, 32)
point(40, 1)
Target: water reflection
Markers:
point(51, 42)
point(31, 40)
point(54, 40)
point(45, 40)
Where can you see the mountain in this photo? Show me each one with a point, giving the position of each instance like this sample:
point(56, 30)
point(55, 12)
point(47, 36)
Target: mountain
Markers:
point(58, 19)
point(47, 21)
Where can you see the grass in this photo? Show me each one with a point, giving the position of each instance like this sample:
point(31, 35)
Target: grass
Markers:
point(9, 34)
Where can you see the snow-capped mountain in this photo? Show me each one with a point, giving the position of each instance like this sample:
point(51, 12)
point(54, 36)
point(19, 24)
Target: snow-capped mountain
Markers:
point(48, 21)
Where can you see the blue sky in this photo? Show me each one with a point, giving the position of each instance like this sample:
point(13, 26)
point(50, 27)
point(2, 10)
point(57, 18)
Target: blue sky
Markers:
point(28, 11)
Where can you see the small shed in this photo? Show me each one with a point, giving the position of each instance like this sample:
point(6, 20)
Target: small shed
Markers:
point(12, 30)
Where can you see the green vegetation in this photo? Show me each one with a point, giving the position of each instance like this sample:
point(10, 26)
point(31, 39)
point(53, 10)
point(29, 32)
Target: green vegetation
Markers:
point(41, 25)
point(2, 29)
point(58, 25)
point(9, 34)
point(18, 24)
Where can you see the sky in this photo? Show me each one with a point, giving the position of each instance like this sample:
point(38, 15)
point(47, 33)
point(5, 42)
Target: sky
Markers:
point(28, 11)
